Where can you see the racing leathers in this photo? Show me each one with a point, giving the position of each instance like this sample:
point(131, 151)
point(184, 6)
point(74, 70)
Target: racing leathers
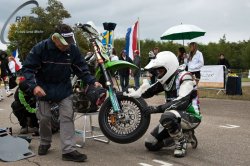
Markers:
point(180, 112)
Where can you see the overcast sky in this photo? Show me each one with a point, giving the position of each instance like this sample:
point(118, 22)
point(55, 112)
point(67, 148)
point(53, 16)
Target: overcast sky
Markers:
point(216, 17)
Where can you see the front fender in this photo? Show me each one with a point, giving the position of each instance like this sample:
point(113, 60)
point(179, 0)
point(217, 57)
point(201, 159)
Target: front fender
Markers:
point(113, 66)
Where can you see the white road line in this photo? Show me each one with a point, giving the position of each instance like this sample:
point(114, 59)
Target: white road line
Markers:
point(157, 161)
point(162, 162)
point(144, 164)
point(229, 126)
point(1, 109)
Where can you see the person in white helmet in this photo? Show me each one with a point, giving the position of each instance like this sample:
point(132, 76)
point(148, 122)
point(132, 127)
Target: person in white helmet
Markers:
point(181, 109)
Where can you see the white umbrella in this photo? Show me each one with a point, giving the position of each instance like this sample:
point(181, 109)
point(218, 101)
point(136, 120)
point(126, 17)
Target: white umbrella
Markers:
point(182, 32)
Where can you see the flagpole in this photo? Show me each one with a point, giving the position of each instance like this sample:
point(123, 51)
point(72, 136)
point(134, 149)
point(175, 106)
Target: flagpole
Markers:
point(113, 40)
point(139, 47)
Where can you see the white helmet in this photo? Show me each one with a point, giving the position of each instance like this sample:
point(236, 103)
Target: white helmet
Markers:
point(166, 60)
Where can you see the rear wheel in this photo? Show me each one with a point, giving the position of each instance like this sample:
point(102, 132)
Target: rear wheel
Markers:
point(194, 141)
point(191, 138)
point(126, 126)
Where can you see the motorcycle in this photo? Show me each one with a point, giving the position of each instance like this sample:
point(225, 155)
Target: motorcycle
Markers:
point(122, 119)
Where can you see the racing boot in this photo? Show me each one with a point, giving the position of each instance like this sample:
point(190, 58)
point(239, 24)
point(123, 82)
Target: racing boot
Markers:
point(180, 145)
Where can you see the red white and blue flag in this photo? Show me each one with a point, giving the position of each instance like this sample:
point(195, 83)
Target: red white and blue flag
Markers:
point(18, 64)
point(131, 40)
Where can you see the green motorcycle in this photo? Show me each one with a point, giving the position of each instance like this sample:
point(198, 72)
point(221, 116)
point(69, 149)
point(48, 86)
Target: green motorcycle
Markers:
point(122, 119)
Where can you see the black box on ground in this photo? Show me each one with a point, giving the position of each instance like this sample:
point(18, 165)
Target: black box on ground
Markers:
point(233, 86)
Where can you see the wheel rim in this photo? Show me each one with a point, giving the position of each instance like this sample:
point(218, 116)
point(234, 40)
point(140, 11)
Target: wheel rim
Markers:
point(126, 122)
point(194, 142)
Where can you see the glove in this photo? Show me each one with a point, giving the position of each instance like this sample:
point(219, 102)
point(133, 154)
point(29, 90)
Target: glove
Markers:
point(153, 109)
point(132, 93)
point(96, 95)
point(137, 93)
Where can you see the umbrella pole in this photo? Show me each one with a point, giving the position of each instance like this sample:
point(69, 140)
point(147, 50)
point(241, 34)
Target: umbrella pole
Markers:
point(182, 39)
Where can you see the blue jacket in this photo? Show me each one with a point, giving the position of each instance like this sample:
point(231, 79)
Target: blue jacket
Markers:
point(51, 69)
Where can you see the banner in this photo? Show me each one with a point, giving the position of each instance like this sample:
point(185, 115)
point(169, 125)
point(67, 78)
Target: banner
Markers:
point(212, 76)
point(131, 40)
point(107, 39)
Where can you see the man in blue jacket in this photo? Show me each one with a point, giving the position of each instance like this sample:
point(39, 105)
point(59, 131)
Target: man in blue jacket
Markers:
point(47, 69)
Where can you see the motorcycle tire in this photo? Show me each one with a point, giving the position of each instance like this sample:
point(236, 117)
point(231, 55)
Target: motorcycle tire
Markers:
point(194, 141)
point(129, 132)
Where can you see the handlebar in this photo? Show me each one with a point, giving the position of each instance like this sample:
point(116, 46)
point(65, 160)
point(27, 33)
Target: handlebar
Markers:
point(95, 38)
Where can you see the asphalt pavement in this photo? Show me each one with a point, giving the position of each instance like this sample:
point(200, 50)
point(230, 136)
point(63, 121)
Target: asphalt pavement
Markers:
point(245, 83)
point(223, 136)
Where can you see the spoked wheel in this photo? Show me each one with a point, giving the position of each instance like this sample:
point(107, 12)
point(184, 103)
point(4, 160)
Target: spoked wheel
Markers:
point(126, 126)
point(194, 141)
point(191, 138)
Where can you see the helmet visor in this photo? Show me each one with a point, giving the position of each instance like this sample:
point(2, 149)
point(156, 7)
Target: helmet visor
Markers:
point(161, 71)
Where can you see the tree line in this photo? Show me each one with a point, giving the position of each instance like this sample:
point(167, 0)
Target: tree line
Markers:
point(26, 33)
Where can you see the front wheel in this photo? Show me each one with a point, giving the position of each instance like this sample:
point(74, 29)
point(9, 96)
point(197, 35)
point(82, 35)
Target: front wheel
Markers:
point(126, 126)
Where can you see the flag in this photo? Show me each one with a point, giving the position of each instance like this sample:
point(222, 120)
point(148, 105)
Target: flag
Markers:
point(131, 40)
point(18, 64)
point(106, 39)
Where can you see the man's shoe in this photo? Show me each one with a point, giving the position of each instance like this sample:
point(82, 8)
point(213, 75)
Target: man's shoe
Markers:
point(74, 156)
point(24, 130)
point(43, 149)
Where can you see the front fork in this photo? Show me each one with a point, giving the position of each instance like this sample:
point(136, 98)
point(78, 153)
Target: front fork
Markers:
point(114, 101)
point(112, 95)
